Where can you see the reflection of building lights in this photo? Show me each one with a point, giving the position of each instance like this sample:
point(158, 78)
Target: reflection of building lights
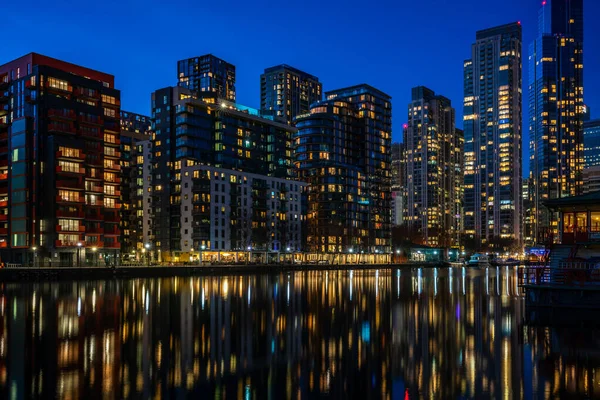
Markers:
point(225, 287)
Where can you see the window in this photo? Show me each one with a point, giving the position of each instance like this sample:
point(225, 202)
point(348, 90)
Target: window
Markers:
point(68, 195)
point(110, 203)
point(71, 225)
point(58, 84)
point(109, 112)
point(69, 152)
point(68, 166)
point(109, 100)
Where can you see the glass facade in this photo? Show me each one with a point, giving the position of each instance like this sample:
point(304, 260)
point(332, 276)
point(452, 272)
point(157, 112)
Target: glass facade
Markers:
point(492, 134)
point(556, 110)
point(433, 149)
point(207, 75)
point(287, 92)
point(343, 152)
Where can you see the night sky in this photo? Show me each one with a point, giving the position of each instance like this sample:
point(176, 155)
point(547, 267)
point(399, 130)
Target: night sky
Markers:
point(392, 45)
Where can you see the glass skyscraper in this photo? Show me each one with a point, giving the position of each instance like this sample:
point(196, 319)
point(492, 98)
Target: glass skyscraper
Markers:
point(556, 109)
point(207, 74)
point(433, 152)
point(343, 152)
point(492, 129)
point(287, 92)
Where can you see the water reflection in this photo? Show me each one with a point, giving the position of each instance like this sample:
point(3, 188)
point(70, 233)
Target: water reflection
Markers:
point(422, 333)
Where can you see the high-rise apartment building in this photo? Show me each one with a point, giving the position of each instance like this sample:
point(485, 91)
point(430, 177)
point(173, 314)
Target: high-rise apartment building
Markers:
point(433, 169)
point(207, 75)
point(287, 92)
point(556, 109)
point(591, 142)
point(136, 136)
point(398, 183)
point(191, 131)
point(343, 153)
point(60, 170)
point(492, 129)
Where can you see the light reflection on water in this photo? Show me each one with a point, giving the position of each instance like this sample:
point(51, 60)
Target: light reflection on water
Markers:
point(392, 334)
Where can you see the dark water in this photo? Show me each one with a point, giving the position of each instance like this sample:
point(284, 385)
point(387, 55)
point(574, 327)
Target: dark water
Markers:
point(388, 334)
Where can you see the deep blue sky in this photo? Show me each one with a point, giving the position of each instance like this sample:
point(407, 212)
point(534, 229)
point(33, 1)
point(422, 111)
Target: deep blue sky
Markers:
point(392, 45)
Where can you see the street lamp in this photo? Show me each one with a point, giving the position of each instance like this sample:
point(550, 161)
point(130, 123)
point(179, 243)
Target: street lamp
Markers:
point(147, 248)
point(79, 244)
point(34, 248)
point(94, 250)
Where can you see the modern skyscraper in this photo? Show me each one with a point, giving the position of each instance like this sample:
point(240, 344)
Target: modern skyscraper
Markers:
point(591, 140)
point(207, 74)
point(492, 128)
point(433, 152)
point(398, 183)
point(191, 131)
point(343, 153)
point(136, 136)
point(556, 109)
point(59, 163)
point(288, 92)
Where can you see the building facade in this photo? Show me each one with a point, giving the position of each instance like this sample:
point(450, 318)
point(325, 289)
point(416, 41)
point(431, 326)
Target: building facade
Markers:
point(343, 152)
point(228, 210)
point(60, 170)
point(207, 75)
point(556, 110)
point(433, 169)
point(591, 142)
point(398, 183)
point(136, 136)
point(492, 129)
point(287, 92)
point(189, 131)
point(591, 179)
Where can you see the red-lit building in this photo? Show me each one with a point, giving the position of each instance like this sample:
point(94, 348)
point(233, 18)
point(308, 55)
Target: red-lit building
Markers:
point(59, 162)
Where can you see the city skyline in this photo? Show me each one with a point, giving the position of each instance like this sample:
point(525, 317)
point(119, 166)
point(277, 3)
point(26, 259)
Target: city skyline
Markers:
point(137, 78)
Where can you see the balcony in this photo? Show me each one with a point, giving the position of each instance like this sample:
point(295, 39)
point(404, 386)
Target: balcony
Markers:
point(3, 245)
point(111, 245)
point(114, 167)
point(95, 189)
point(59, 89)
point(95, 231)
point(112, 232)
point(3, 125)
point(60, 199)
point(70, 214)
point(80, 156)
point(3, 137)
point(3, 203)
point(4, 177)
point(3, 149)
point(3, 217)
point(116, 206)
point(68, 115)
point(76, 171)
point(116, 193)
point(59, 228)
point(4, 83)
point(112, 218)
point(4, 109)
point(95, 203)
point(59, 243)
point(4, 98)
point(87, 93)
point(115, 154)
point(91, 120)
point(94, 216)
point(91, 134)
point(69, 184)
point(61, 128)
point(3, 231)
